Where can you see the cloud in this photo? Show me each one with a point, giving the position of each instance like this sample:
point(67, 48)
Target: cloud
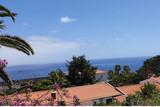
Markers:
point(26, 24)
point(53, 31)
point(67, 19)
point(47, 49)
point(50, 44)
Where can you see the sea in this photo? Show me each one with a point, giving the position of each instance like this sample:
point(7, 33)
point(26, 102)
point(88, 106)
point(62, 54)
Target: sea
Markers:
point(42, 70)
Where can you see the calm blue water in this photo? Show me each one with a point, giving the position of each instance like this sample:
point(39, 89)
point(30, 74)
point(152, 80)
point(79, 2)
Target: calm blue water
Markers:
point(33, 71)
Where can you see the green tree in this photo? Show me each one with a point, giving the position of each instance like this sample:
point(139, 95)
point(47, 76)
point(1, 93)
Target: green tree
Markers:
point(133, 100)
point(124, 77)
point(126, 69)
point(151, 66)
point(147, 96)
point(115, 76)
point(117, 69)
point(59, 77)
point(11, 41)
point(148, 90)
point(129, 77)
point(81, 71)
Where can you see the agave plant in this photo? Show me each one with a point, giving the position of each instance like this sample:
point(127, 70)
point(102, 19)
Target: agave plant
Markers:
point(11, 42)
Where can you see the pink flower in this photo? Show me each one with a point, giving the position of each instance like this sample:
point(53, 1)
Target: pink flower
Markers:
point(3, 63)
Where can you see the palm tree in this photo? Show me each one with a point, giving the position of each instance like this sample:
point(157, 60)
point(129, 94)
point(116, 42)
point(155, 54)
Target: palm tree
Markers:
point(57, 76)
point(11, 42)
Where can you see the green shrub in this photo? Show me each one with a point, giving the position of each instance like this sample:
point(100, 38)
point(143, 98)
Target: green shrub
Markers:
point(57, 76)
point(42, 85)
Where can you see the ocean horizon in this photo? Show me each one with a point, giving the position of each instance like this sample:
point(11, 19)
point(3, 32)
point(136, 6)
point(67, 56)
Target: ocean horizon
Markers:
point(42, 70)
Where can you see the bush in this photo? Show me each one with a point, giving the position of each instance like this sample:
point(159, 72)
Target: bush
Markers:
point(42, 85)
point(148, 96)
point(110, 104)
point(59, 77)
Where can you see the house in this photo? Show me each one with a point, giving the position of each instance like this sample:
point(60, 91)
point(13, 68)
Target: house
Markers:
point(127, 90)
point(101, 75)
point(132, 89)
point(92, 94)
point(88, 95)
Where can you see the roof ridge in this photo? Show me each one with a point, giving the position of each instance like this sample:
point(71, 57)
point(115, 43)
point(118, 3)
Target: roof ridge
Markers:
point(129, 85)
point(86, 85)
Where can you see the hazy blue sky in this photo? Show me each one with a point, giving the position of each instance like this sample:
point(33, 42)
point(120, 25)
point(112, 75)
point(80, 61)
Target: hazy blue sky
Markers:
point(58, 29)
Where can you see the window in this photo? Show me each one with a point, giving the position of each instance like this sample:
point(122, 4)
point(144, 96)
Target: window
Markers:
point(94, 103)
point(108, 101)
point(101, 100)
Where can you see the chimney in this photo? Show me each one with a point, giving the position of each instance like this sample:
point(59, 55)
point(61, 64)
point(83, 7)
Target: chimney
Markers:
point(153, 75)
point(54, 95)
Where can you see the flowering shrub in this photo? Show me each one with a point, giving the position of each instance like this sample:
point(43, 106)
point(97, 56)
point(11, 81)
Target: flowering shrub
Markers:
point(3, 63)
point(26, 98)
point(3, 73)
point(76, 100)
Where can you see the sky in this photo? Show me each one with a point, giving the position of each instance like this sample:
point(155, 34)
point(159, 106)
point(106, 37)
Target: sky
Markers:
point(59, 29)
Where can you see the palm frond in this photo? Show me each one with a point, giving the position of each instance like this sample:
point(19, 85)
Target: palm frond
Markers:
point(2, 26)
point(4, 12)
point(5, 77)
point(17, 43)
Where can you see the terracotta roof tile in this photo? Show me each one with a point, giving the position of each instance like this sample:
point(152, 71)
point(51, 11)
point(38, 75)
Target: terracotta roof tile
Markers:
point(84, 93)
point(95, 91)
point(100, 72)
point(151, 80)
point(130, 89)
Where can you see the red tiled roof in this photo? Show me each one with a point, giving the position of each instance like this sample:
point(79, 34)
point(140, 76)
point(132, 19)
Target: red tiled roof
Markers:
point(152, 80)
point(100, 72)
point(84, 93)
point(95, 91)
point(130, 89)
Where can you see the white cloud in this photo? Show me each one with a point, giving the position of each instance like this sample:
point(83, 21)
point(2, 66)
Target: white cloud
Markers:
point(53, 31)
point(26, 24)
point(67, 19)
point(52, 45)
point(47, 49)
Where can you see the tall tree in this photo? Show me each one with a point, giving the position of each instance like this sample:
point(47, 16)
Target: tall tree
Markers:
point(151, 66)
point(117, 68)
point(80, 71)
point(11, 41)
point(120, 77)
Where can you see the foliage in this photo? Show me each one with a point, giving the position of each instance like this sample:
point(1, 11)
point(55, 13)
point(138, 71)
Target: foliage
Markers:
point(3, 73)
point(59, 77)
point(56, 76)
point(44, 84)
point(81, 71)
point(110, 104)
point(11, 42)
point(26, 99)
point(120, 77)
point(133, 100)
point(148, 90)
point(151, 66)
point(148, 96)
